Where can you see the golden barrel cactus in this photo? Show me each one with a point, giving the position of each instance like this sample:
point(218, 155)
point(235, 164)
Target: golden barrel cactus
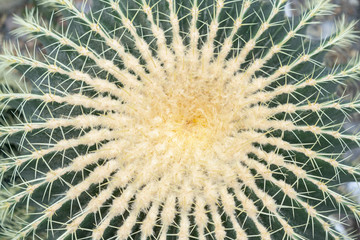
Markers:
point(176, 119)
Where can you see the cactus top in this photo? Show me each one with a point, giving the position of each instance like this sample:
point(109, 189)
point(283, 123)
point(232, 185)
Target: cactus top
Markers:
point(173, 119)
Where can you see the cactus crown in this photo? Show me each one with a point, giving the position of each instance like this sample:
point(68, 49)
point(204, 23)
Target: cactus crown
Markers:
point(166, 119)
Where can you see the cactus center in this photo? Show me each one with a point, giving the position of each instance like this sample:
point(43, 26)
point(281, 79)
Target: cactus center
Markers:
point(190, 112)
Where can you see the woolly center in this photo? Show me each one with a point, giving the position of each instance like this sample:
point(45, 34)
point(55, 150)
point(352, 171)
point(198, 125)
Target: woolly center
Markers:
point(186, 115)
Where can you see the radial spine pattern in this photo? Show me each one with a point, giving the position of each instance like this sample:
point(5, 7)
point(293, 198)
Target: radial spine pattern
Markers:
point(171, 119)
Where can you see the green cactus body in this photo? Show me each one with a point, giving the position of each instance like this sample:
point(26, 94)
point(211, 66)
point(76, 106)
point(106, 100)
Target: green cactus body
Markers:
point(176, 119)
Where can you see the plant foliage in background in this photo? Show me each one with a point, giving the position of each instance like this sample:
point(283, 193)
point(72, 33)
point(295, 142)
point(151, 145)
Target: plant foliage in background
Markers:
point(176, 119)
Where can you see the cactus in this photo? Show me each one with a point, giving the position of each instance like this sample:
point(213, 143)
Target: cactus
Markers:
point(177, 119)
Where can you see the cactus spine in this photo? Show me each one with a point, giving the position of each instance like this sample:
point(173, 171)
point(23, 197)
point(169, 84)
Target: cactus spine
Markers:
point(174, 119)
